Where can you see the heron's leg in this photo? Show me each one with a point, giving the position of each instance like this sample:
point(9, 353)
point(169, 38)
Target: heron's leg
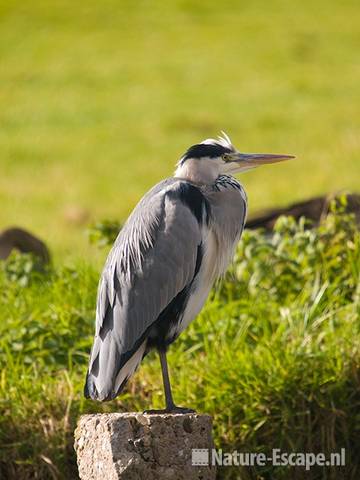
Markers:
point(166, 380)
point(170, 405)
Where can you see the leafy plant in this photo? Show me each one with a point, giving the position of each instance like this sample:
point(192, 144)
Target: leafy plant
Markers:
point(104, 233)
point(22, 268)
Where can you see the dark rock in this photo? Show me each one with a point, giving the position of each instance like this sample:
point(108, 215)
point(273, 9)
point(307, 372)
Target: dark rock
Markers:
point(314, 209)
point(19, 239)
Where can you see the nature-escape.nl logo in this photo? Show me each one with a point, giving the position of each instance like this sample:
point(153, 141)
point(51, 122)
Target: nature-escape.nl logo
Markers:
point(206, 457)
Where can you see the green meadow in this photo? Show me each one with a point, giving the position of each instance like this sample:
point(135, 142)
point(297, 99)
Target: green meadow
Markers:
point(98, 100)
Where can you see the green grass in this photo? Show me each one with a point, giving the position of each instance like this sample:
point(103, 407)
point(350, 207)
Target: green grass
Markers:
point(274, 356)
point(99, 99)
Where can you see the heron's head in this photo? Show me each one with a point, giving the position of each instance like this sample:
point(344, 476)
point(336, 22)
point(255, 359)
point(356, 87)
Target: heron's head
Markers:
point(205, 161)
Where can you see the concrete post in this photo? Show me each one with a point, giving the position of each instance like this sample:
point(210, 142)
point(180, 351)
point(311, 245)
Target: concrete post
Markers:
point(131, 446)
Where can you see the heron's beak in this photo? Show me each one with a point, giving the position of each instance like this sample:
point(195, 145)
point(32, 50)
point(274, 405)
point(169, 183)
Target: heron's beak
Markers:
point(256, 159)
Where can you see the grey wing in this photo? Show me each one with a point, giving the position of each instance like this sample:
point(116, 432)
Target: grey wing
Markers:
point(153, 259)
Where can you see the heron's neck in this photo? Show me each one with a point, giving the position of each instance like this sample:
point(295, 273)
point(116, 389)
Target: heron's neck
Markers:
point(198, 171)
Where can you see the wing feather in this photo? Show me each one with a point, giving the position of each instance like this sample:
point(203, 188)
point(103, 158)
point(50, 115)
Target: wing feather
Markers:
point(152, 260)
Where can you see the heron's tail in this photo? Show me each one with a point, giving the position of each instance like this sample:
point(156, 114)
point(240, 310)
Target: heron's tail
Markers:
point(105, 378)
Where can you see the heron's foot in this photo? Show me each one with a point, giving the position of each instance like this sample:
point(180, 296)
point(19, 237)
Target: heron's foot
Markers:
point(154, 412)
point(176, 409)
point(170, 409)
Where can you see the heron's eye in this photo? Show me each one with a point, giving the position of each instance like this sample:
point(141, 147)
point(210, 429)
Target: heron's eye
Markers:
point(225, 157)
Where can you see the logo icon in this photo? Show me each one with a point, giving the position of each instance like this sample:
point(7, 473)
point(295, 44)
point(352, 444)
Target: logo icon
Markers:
point(200, 457)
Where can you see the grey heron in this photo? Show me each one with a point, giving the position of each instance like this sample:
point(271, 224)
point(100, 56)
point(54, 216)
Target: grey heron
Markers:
point(177, 241)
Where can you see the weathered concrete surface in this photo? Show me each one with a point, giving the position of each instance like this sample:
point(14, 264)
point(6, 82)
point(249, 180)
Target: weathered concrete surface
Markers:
point(136, 446)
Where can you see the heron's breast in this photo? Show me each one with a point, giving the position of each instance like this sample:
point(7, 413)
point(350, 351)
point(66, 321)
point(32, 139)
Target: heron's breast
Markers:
point(213, 264)
point(228, 214)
